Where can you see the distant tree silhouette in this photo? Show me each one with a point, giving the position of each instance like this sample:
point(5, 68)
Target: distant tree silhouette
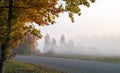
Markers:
point(54, 42)
point(49, 45)
point(70, 43)
point(47, 39)
point(53, 46)
point(46, 43)
point(62, 40)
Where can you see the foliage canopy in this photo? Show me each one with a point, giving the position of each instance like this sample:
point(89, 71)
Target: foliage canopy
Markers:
point(42, 12)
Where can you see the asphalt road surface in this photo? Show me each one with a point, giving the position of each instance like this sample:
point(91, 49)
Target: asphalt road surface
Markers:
point(72, 65)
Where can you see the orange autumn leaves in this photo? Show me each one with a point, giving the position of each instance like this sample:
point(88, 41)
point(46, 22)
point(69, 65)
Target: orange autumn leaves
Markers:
point(42, 12)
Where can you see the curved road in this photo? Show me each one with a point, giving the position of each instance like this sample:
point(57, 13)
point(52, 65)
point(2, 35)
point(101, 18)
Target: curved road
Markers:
point(72, 65)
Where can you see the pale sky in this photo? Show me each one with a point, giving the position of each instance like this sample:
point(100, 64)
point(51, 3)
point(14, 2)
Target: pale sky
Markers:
point(103, 17)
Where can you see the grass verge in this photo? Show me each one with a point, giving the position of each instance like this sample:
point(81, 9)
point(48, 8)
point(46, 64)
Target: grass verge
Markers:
point(21, 67)
point(113, 59)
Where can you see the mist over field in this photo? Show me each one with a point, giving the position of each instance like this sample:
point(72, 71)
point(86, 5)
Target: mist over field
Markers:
point(86, 45)
point(96, 32)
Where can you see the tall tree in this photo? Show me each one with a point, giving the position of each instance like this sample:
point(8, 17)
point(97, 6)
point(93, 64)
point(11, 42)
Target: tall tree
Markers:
point(32, 42)
point(53, 46)
point(62, 39)
point(28, 46)
point(47, 43)
point(54, 42)
point(16, 13)
point(47, 39)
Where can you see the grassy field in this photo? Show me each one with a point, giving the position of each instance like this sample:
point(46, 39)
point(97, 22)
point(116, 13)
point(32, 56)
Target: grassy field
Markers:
point(21, 67)
point(114, 59)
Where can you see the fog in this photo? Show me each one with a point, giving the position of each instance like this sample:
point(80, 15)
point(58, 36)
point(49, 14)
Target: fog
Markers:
point(84, 36)
point(84, 45)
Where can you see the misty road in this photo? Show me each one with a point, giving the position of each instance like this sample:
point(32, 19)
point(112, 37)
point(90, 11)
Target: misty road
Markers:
point(72, 65)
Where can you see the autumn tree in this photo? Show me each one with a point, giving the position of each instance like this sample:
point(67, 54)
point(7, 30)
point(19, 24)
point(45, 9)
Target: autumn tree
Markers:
point(32, 42)
point(22, 49)
point(28, 46)
point(15, 14)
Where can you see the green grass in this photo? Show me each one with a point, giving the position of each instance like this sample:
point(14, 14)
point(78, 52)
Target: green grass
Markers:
point(21, 67)
point(114, 59)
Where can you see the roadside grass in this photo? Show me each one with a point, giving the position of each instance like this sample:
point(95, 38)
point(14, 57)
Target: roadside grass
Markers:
point(22, 67)
point(114, 59)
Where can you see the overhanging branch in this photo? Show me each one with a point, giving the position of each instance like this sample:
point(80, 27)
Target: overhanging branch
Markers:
point(21, 7)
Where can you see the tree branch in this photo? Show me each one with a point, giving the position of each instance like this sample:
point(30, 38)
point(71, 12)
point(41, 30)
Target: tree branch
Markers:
point(23, 7)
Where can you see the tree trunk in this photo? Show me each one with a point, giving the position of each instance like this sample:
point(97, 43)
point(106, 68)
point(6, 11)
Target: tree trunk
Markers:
point(5, 45)
point(2, 58)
